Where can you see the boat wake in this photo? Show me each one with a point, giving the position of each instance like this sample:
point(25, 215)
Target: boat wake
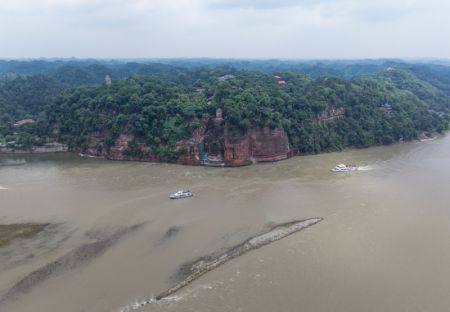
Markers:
point(90, 156)
point(365, 168)
point(428, 139)
point(136, 305)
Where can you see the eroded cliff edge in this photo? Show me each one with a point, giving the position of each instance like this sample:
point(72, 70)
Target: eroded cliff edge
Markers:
point(212, 143)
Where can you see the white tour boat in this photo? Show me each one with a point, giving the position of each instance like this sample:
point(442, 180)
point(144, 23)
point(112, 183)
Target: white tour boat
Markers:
point(181, 194)
point(344, 168)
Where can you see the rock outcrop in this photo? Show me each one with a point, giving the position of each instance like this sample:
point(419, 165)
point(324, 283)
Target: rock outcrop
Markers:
point(238, 150)
point(331, 113)
point(210, 145)
point(257, 145)
point(269, 145)
point(95, 147)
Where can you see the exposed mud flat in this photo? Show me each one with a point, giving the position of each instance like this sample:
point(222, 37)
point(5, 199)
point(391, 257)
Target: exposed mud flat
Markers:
point(22, 250)
point(72, 260)
point(10, 232)
point(189, 272)
point(172, 231)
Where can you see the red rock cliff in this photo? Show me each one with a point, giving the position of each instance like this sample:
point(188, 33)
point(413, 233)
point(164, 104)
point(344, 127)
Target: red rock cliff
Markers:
point(95, 147)
point(269, 145)
point(257, 145)
point(238, 151)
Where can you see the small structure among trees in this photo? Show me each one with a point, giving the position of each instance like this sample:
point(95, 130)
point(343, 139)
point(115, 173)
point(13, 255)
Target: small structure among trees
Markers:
point(108, 81)
point(23, 122)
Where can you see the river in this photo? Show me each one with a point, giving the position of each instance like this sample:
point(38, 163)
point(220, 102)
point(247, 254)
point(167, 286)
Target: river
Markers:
point(382, 244)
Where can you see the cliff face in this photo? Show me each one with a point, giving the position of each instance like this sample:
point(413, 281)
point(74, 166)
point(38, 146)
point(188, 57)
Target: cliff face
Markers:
point(269, 145)
point(330, 114)
point(238, 151)
point(95, 147)
point(258, 145)
point(209, 145)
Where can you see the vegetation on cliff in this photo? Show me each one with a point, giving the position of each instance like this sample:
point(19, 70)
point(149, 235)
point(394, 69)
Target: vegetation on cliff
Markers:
point(155, 112)
point(25, 97)
point(165, 104)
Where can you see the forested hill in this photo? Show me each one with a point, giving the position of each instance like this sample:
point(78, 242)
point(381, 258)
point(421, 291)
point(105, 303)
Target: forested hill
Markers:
point(157, 106)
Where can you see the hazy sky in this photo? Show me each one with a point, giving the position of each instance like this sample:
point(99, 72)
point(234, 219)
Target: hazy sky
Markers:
point(225, 28)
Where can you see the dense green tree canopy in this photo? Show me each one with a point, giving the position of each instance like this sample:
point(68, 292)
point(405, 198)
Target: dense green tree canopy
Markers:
point(163, 104)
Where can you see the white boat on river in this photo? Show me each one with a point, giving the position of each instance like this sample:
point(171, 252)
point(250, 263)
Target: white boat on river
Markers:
point(345, 168)
point(181, 194)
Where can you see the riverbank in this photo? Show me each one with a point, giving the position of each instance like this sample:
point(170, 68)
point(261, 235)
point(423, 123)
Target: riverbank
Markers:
point(47, 148)
point(63, 148)
point(252, 160)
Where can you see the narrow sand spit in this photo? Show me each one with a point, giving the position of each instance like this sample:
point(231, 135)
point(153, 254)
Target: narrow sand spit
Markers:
point(194, 270)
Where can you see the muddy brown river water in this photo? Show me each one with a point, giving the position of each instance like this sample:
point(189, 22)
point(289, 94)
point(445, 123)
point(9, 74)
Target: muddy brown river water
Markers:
point(115, 238)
